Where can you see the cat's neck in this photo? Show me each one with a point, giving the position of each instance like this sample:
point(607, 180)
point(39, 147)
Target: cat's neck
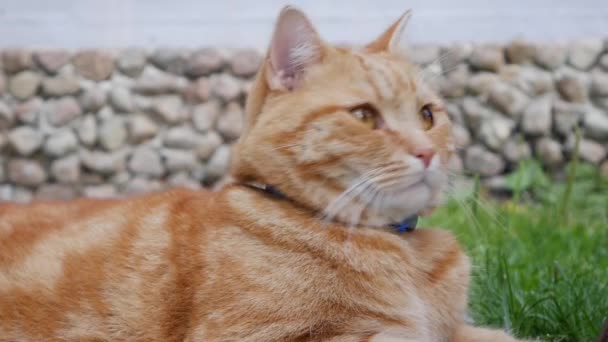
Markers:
point(351, 214)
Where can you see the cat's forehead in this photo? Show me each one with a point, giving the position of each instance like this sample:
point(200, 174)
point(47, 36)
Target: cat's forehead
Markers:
point(391, 77)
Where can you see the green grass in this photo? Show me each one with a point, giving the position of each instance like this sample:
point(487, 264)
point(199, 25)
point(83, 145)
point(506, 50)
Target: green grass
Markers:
point(540, 259)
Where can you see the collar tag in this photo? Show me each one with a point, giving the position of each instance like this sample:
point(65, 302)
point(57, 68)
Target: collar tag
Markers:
point(407, 225)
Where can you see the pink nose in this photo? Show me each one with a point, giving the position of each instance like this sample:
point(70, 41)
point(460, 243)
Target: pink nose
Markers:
point(425, 154)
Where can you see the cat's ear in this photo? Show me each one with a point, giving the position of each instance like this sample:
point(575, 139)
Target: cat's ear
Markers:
point(392, 38)
point(295, 46)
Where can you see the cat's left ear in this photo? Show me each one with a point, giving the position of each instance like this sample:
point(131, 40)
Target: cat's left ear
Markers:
point(295, 46)
point(391, 39)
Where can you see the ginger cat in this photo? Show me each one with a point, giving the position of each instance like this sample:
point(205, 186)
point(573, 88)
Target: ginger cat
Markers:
point(351, 140)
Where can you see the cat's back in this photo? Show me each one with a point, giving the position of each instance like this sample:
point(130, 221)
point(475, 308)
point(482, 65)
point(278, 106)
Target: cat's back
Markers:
point(85, 268)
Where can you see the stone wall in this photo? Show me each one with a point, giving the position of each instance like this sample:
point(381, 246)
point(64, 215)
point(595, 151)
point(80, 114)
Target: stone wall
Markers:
point(104, 123)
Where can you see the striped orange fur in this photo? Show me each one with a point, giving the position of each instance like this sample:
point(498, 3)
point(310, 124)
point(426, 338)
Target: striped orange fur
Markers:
point(352, 137)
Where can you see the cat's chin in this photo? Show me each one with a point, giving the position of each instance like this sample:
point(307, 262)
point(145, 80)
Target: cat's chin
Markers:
point(397, 206)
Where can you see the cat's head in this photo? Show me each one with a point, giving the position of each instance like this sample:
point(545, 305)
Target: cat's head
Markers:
point(355, 134)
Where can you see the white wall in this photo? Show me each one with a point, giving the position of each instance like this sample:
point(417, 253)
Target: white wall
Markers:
point(188, 23)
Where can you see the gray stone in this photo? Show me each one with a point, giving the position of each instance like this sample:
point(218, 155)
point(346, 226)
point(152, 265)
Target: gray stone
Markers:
point(169, 108)
point(140, 185)
point(6, 193)
point(2, 172)
point(95, 65)
point(455, 164)
point(28, 112)
point(573, 86)
point(497, 184)
point(225, 87)
point(60, 85)
point(530, 80)
point(536, 119)
point(146, 161)
point(120, 179)
point(218, 163)
point(489, 58)
point(121, 99)
point(141, 128)
point(179, 160)
point(26, 172)
point(603, 62)
point(3, 142)
point(142, 103)
point(182, 137)
point(595, 122)
point(204, 61)
point(516, 149)
point(461, 136)
point(550, 56)
point(599, 83)
point(25, 140)
point(230, 124)
point(591, 151)
point(22, 195)
point(495, 131)
point(112, 133)
point(602, 102)
point(93, 99)
point(583, 54)
point(67, 169)
point(423, 54)
point(131, 62)
point(205, 115)
point(454, 84)
point(245, 62)
point(198, 91)
point(7, 116)
point(100, 191)
point(183, 180)
point(52, 60)
point(455, 113)
point(88, 178)
point(480, 83)
point(24, 85)
point(507, 99)
point(520, 52)
point(63, 111)
point(549, 152)
point(55, 192)
point(2, 83)
point(475, 113)
point(207, 145)
point(104, 162)
point(154, 81)
point(454, 55)
point(480, 161)
point(87, 130)
point(171, 60)
point(567, 115)
point(106, 113)
point(61, 143)
point(15, 60)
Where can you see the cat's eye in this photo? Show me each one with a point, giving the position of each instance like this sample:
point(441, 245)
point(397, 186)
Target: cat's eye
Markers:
point(426, 113)
point(367, 114)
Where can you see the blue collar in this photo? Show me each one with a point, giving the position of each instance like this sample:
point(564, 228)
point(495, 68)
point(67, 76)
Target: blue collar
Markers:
point(407, 225)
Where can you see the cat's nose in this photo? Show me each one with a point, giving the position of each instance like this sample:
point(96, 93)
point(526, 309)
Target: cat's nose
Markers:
point(425, 154)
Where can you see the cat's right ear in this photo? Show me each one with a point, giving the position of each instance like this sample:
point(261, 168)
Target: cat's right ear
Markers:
point(295, 46)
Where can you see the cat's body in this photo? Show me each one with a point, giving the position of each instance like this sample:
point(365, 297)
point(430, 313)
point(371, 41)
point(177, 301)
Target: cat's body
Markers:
point(353, 140)
point(238, 265)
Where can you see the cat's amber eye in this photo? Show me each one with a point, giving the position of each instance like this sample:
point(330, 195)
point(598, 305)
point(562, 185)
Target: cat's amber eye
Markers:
point(367, 114)
point(426, 113)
